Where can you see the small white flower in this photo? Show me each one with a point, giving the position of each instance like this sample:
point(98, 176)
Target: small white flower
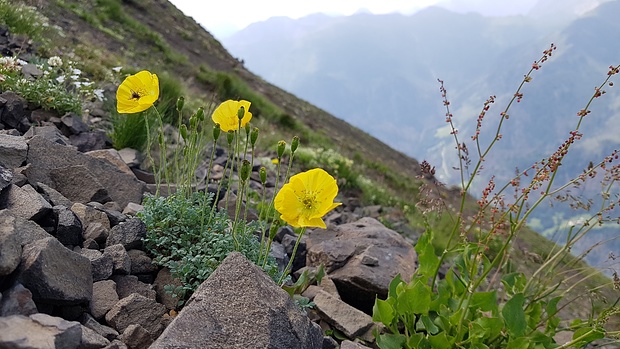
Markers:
point(60, 79)
point(99, 94)
point(54, 61)
point(76, 71)
point(117, 69)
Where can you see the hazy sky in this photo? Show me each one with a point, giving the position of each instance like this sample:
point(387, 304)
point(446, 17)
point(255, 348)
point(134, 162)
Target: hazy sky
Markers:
point(222, 18)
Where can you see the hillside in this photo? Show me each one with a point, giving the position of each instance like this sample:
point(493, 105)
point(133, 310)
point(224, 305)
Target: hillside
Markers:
point(154, 35)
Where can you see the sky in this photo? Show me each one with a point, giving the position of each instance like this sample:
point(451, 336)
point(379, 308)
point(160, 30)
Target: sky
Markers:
point(222, 18)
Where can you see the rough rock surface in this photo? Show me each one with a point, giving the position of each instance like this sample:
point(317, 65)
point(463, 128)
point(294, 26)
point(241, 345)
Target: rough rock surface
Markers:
point(39, 331)
point(239, 306)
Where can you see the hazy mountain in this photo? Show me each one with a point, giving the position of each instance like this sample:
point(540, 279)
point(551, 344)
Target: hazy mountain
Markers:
point(379, 72)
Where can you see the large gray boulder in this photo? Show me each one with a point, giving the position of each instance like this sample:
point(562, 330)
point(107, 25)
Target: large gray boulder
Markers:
point(54, 274)
point(239, 306)
point(361, 258)
point(39, 331)
point(46, 156)
point(13, 151)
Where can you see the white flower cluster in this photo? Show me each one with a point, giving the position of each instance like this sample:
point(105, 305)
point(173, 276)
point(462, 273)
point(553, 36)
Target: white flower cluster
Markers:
point(9, 64)
point(54, 61)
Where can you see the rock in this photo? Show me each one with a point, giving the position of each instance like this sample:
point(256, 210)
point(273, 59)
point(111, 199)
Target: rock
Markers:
point(137, 310)
point(164, 278)
point(239, 306)
point(92, 339)
point(107, 332)
point(92, 140)
point(329, 343)
point(78, 184)
point(53, 196)
point(120, 259)
point(10, 248)
point(104, 298)
point(116, 344)
point(129, 233)
point(68, 227)
point(31, 71)
point(128, 284)
point(55, 274)
point(39, 331)
point(17, 300)
point(51, 133)
point(96, 232)
point(26, 231)
point(288, 242)
point(352, 345)
point(72, 124)
point(361, 258)
point(41, 115)
point(102, 264)
point(14, 114)
point(113, 157)
point(6, 177)
point(89, 215)
point(352, 322)
point(45, 156)
point(136, 337)
point(132, 209)
point(24, 202)
point(141, 263)
point(131, 157)
point(13, 151)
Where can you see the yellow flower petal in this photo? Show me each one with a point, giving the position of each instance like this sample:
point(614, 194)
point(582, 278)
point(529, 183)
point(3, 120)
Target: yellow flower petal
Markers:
point(226, 114)
point(137, 93)
point(306, 198)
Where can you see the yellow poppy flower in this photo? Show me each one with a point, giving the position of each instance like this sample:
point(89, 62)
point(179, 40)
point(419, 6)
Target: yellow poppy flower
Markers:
point(137, 93)
point(227, 115)
point(306, 198)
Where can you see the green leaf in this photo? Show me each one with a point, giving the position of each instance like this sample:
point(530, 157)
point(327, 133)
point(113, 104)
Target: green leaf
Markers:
point(392, 289)
point(514, 316)
point(391, 341)
point(428, 324)
point(416, 299)
point(587, 335)
point(492, 326)
point(320, 273)
point(382, 312)
point(485, 301)
point(439, 341)
point(518, 343)
point(427, 259)
point(514, 282)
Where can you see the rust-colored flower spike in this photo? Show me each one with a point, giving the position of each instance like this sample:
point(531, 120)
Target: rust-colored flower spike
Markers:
point(137, 93)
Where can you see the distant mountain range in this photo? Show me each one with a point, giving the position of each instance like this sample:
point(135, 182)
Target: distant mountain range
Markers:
point(379, 72)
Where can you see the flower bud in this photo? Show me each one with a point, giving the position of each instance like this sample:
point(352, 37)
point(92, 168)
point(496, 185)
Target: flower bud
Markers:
point(230, 136)
point(180, 103)
point(183, 131)
point(247, 128)
point(193, 121)
point(294, 144)
point(244, 173)
point(254, 136)
point(200, 114)
point(262, 172)
point(281, 147)
point(216, 132)
point(241, 112)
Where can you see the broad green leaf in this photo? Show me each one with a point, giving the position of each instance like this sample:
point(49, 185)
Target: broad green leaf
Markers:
point(391, 341)
point(485, 301)
point(514, 282)
point(428, 325)
point(439, 341)
point(427, 259)
point(418, 341)
point(514, 316)
point(441, 297)
point(534, 314)
point(492, 325)
point(518, 343)
point(415, 299)
point(392, 289)
point(382, 312)
point(586, 335)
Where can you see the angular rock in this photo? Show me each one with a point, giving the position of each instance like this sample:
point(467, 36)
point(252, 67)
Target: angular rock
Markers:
point(78, 184)
point(128, 284)
point(361, 258)
point(239, 306)
point(141, 263)
point(132, 209)
point(101, 264)
point(45, 156)
point(53, 196)
point(136, 337)
point(352, 345)
point(164, 278)
point(55, 274)
point(13, 151)
point(10, 248)
point(89, 215)
point(27, 231)
point(129, 233)
point(104, 298)
point(6, 176)
point(72, 124)
point(14, 114)
point(107, 332)
point(39, 331)
point(352, 322)
point(24, 202)
point(139, 310)
point(113, 157)
point(17, 300)
point(68, 227)
point(92, 140)
point(51, 133)
point(130, 157)
point(120, 259)
point(92, 339)
point(116, 344)
point(97, 232)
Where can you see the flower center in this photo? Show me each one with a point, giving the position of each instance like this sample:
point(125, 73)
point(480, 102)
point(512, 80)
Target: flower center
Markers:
point(136, 95)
